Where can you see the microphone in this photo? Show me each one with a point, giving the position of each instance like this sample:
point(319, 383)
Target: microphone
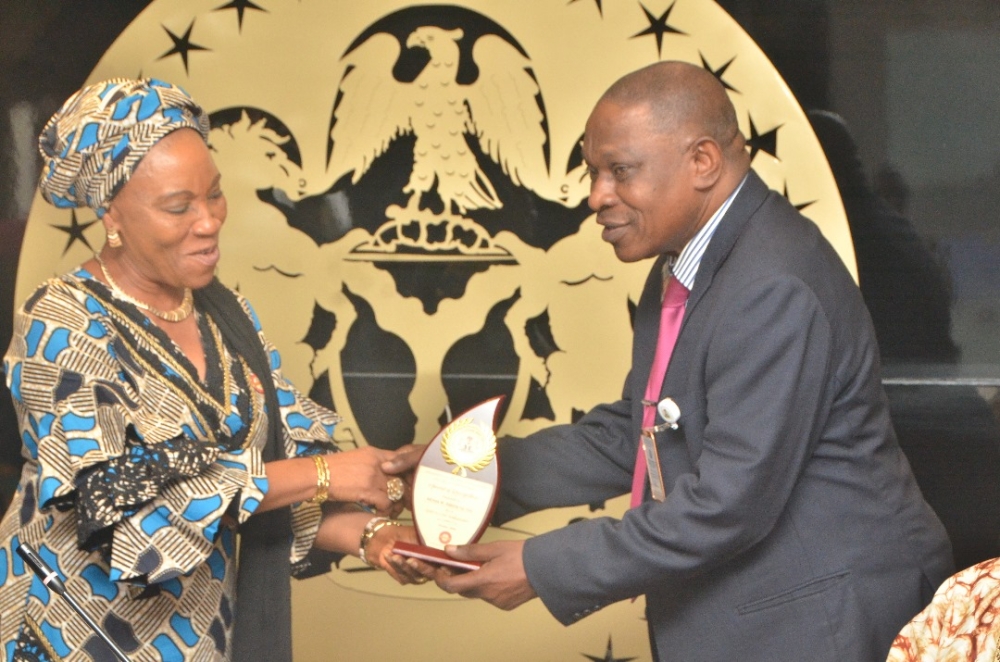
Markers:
point(52, 581)
point(50, 578)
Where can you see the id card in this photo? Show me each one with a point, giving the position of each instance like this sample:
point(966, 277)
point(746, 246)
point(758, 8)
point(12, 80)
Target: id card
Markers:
point(653, 466)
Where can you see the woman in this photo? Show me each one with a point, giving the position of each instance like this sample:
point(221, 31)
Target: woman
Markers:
point(961, 624)
point(155, 421)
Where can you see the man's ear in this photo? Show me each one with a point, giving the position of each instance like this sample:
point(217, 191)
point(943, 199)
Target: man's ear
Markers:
point(706, 160)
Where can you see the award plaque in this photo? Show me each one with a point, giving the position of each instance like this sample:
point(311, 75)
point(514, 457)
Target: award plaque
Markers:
point(455, 486)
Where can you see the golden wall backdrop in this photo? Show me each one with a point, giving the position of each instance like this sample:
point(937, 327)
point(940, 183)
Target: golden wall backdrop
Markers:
point(407, 213)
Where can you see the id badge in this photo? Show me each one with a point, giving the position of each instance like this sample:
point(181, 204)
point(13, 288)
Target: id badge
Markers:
point(653, 466)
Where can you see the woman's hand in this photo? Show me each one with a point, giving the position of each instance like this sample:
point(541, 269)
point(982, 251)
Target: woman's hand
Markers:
point(353, 476)
point(342, 528)
point(404, 570)
point(357, 476)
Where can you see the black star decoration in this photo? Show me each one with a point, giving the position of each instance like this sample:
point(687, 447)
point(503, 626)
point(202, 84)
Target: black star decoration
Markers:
point(767, 142)
point(75, 231)
point(800, 206)
point(182, 45)
point(718, 73)
point(609, 655)
point(658, 27)
point(240, 6)
point(600, 9)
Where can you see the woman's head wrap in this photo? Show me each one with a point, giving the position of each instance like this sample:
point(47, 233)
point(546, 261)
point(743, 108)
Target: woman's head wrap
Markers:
point(92, 145)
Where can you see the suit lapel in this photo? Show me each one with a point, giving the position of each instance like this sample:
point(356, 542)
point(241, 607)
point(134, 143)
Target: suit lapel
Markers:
point(747, 202)
point(749, 199)
point(647, 314)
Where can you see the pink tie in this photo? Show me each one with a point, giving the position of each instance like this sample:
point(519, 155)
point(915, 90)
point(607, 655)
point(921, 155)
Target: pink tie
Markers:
point(671, 315)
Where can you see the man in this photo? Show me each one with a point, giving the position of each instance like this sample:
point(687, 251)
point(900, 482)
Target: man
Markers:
point(791, 526)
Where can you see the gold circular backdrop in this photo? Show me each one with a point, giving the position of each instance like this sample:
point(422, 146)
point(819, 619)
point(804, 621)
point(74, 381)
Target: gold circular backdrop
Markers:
point(407, 213)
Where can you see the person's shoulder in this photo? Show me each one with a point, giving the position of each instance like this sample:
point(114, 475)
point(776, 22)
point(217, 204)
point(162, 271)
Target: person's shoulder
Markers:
point(69, 288)
point(778, 241)
point(218, 287)
point(774, 216)
point(758, 211)
point(247, 308)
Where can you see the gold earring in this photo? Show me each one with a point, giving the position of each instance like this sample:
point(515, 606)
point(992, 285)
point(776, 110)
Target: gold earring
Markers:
point(114, 241)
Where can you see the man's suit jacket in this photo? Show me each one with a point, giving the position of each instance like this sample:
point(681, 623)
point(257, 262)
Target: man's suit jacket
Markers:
point(793, 528)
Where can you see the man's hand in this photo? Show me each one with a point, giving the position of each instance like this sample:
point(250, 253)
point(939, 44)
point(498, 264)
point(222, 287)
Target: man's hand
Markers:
point(402, 463)
point(501, 581)
point(404, 460)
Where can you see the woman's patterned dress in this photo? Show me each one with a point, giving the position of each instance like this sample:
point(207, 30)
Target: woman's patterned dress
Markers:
point(961, 624)
point(135, 473)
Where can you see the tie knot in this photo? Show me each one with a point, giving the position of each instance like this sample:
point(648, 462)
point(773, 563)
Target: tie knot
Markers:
point(675, 294)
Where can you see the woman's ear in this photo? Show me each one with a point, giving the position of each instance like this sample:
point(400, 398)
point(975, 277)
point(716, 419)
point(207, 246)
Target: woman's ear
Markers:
point(110, 222)
point(111, 228)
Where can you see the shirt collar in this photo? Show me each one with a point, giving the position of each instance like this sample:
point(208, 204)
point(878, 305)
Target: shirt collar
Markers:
point(685, 266)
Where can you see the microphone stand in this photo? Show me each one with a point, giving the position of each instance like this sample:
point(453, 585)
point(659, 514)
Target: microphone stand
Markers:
point(52, 581)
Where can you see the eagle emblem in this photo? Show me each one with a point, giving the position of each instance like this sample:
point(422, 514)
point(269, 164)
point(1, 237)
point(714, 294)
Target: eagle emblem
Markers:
point(459, 113)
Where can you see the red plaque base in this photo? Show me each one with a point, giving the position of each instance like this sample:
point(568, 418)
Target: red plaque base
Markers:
point(431, 555)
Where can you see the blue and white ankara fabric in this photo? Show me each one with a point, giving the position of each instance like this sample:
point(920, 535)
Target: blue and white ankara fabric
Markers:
point(94, 142)
point(136, 473)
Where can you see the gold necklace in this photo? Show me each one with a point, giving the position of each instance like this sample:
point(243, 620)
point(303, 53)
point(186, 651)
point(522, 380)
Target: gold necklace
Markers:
point(178, 314)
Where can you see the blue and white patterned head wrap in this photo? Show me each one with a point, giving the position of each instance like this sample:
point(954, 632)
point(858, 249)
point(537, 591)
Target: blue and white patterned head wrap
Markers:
point(94, 143)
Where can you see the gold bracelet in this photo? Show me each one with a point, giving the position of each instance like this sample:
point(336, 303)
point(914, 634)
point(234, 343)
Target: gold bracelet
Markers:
point(322, 479)
point(371, 528)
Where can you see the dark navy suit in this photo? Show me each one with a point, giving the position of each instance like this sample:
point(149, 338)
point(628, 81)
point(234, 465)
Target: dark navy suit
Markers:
point(793, 528)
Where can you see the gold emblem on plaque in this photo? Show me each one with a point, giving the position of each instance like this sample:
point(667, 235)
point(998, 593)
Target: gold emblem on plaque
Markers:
point(468, 445)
